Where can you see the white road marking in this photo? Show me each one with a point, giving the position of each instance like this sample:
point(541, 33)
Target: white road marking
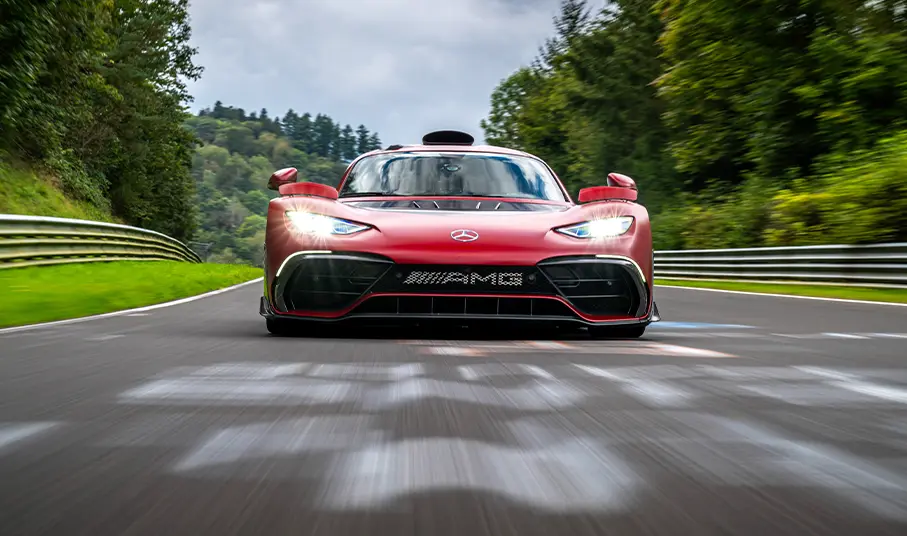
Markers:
point(127, 311)
point(600, 348)
point(567, 477)
point(262, 440)
point(230, 392)
point(102, 338)
point(674, 350)
point(252, 370)
point(11, 433)
point(782, 460)
point(467, 373)
point(548, 345)
point(887, 335)
point(453, 350)
point(538, 372)
point(376, 371)
point(649, 391)
point(536, 396)
point(844, 336)
point(891, 394)
point(487, 370)
point(856, 384)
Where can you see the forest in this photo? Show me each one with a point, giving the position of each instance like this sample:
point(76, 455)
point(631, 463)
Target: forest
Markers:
point(92, 98)
point(745, 124)
point(237, 154)
point(94, 124)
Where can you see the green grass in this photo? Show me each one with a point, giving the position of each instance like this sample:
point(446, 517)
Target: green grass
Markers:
point(820, 291)
point(47, 293)
point(22, 192)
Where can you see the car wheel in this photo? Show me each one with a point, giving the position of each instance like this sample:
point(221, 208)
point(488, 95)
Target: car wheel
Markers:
point(616, 332)
point(278, 326)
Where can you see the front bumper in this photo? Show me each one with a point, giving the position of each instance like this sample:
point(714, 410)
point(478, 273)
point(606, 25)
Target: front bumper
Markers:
point(586, 289)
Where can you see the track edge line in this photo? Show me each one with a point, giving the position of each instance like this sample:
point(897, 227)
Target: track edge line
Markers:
point(841, 300)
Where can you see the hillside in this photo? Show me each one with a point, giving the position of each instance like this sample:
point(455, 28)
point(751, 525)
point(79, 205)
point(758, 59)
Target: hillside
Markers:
point(22, 191)
point(92, 100)
point(238, 153)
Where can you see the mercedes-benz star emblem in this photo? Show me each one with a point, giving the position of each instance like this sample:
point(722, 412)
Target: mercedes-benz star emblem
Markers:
point(464, 235)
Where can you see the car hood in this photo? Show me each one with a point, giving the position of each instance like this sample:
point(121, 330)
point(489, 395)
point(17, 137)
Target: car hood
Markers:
point(425, 236)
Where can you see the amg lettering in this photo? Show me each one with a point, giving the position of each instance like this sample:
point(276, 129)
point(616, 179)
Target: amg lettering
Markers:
point(500, 279)
point(455, 277)
point(490, 278)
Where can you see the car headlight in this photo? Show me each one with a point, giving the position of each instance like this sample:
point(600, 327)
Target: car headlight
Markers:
point(603, 228)
point(321, 225)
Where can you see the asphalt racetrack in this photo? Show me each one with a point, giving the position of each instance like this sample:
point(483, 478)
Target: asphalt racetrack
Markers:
point(736, 415)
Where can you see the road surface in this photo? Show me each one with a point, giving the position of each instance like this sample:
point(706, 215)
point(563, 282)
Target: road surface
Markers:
point(736, 415)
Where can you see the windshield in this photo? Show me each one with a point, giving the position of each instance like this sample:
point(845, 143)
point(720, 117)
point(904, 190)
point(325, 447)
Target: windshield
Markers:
point(452, 174)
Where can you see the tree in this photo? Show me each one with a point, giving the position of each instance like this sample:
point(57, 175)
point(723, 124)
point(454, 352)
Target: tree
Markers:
point(323, 132)
point(374, 142)
point(303, 137)
point(571, 22)
point(769, 86)
point(290, 120)
point(347, 143)
point(502, 127)
point(362, 139)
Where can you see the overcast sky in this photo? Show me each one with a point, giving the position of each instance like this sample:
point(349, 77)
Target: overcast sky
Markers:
point(401, 67)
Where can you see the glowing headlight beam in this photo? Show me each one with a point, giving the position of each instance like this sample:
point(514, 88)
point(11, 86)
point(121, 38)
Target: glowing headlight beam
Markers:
point(322, 226)
point(599, 228)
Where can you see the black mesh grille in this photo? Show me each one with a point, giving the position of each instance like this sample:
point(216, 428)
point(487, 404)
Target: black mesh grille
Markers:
point(464, 306)
point(596, 288)
point(329, 284)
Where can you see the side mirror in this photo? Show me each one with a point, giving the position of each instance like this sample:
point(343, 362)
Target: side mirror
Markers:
point(281, 177)
point(621, 181)
point(313, 189)
point(620, 187)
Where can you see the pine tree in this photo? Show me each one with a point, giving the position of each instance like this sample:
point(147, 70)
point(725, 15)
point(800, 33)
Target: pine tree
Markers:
point(362, 139)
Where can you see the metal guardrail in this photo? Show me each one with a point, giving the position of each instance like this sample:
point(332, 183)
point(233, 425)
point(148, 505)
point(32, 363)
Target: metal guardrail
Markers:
point(870, 265)
point(38, 240)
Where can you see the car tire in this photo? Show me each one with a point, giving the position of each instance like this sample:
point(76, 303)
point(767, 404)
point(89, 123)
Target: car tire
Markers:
point(278, 326)
point(617, 332)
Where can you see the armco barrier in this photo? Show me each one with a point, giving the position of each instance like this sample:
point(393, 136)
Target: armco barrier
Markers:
point(876, 264)
point(38, 240)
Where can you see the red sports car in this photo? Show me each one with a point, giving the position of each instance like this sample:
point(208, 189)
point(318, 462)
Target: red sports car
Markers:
point(451, 230)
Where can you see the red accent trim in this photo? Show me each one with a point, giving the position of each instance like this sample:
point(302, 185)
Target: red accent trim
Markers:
point(309, 188)
point(361, 300)
point(601, 193)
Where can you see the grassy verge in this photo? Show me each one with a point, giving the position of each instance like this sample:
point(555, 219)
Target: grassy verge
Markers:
point(820, 291)
point(47, 293)
point(22, 192)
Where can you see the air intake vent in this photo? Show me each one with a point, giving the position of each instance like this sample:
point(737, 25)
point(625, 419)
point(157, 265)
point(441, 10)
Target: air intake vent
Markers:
point(448, 137)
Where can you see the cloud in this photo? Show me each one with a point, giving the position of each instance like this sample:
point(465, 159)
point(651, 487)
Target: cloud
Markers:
point(401, 67)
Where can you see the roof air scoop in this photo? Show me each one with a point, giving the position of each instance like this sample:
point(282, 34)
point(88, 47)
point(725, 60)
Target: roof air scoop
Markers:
point(447, 137)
